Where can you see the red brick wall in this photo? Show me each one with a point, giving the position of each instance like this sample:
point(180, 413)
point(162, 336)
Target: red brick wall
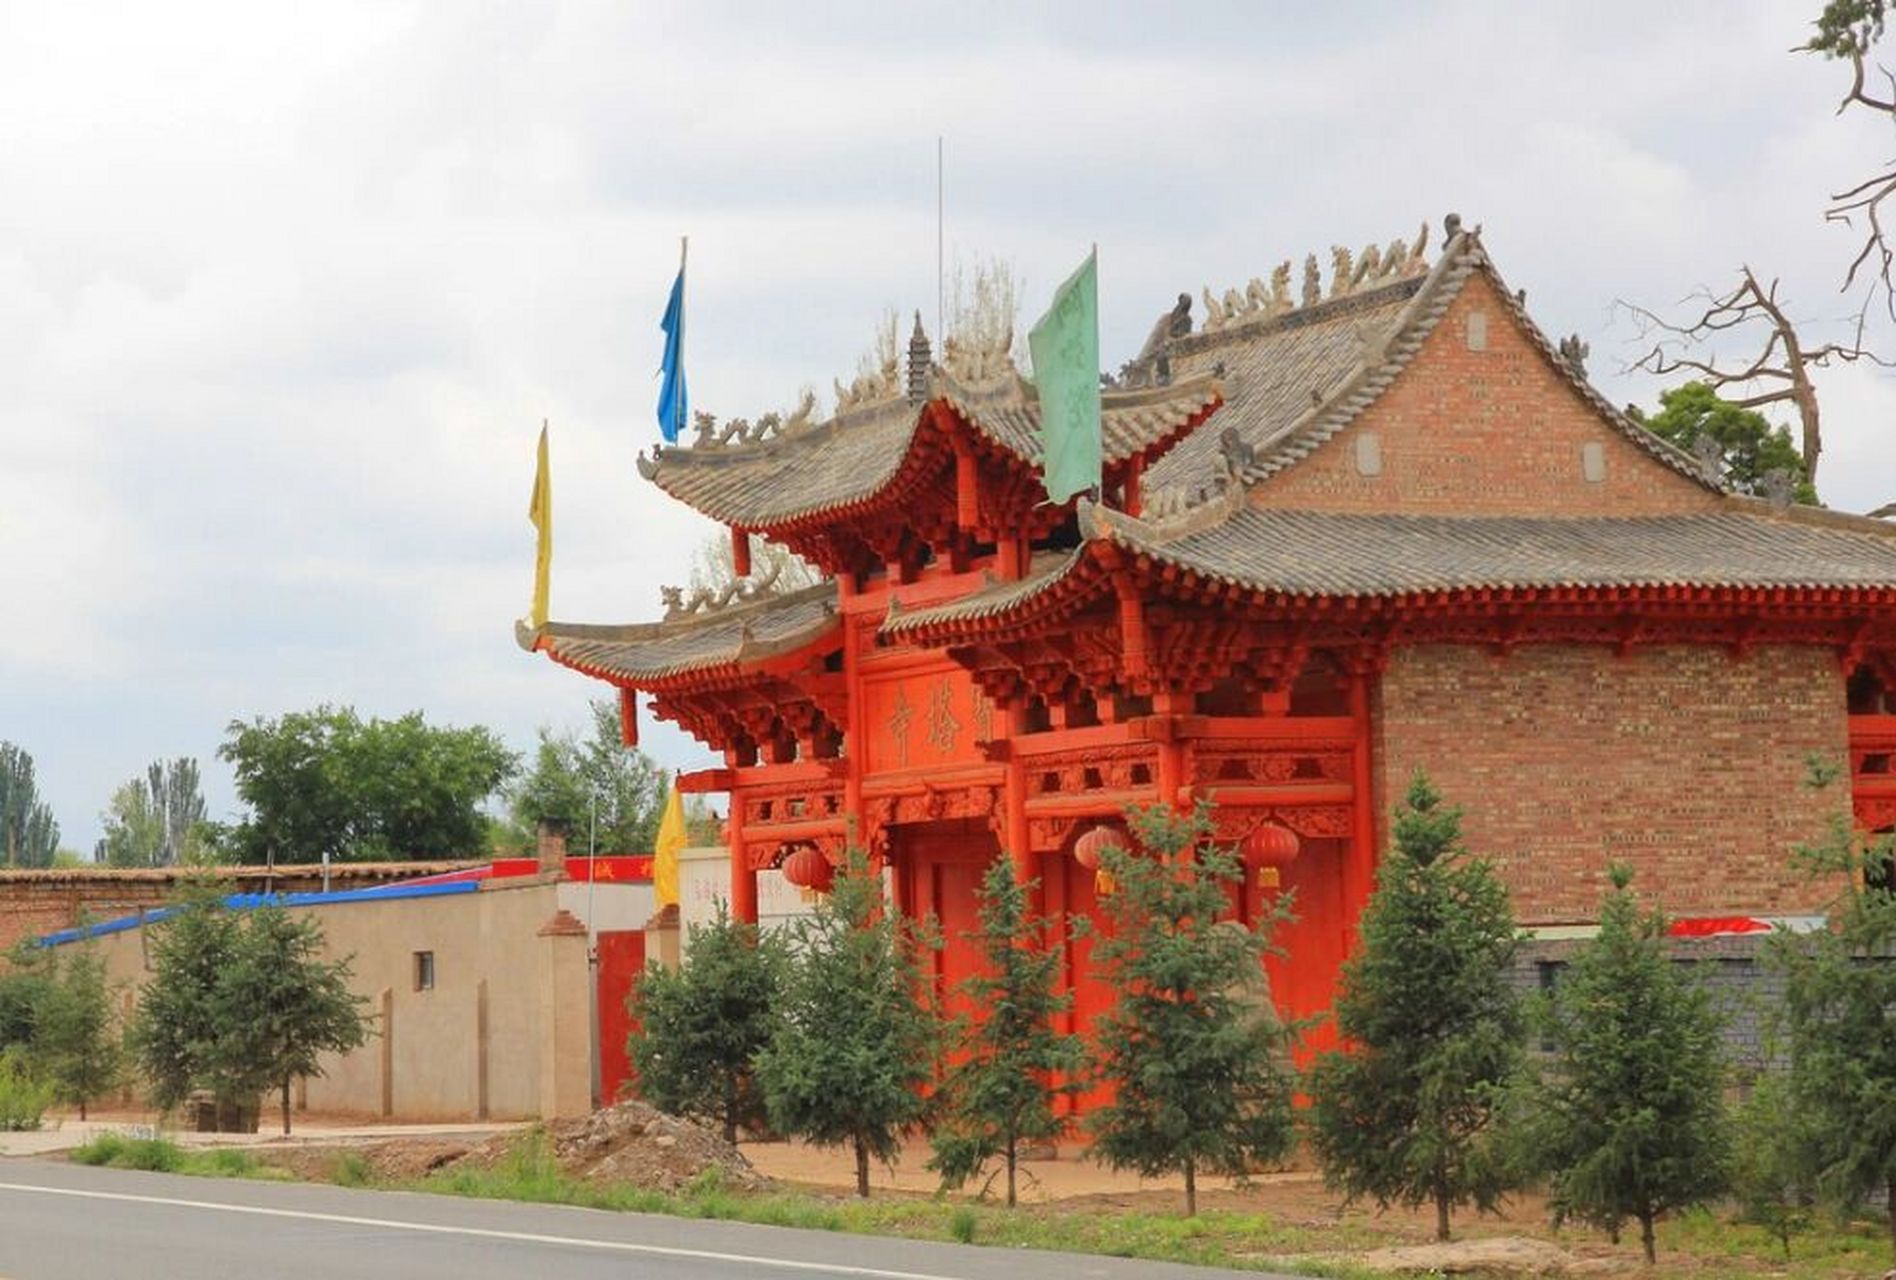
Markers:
point(1681, 762)
point(1491, 432)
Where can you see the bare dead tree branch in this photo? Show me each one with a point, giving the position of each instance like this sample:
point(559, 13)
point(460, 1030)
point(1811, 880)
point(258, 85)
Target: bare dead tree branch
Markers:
point(1777, 373)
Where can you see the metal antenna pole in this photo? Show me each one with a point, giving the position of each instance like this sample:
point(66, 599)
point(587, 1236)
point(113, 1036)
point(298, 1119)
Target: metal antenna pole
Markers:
point(941, 334)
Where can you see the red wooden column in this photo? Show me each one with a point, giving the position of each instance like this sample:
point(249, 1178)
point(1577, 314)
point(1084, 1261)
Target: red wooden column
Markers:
point(1169, 705)
point(743, 879)
point(1362, 858)
point(1014, 793)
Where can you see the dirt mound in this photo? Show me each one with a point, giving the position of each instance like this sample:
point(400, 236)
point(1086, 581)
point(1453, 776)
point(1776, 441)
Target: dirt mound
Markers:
point(390, 1160)
point(1490, 1256)
point(635, 1143)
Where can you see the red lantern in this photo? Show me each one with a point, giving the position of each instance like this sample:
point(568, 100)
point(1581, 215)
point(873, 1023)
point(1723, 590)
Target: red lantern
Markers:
point(1271, 846)
point(1088, 848)
point(807, 868)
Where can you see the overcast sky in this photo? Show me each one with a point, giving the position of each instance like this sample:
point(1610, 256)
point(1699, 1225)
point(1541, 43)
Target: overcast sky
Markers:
point(286, 289)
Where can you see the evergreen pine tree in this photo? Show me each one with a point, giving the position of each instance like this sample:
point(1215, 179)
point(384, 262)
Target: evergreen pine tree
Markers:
point(239, 1003)
point(1410, 1112)
point(177, 1019)
point(1002, 1092)
point(1192, 1048)
point(1631, 1121)
point(280, 1005)
point(853, 1048)
point(75, 1043)
point(700, 1026)
point(1840, 1025)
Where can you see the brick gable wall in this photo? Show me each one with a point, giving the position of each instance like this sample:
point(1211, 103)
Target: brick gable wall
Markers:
point(1497, 431)
point(1682, 762)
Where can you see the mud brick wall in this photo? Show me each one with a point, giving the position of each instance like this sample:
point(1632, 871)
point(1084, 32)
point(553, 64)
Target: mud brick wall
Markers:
point(33, 903)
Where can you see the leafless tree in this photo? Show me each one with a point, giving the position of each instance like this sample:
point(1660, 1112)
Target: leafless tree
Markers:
point(712, 567)
point(1777, 373)
point(1847, 30)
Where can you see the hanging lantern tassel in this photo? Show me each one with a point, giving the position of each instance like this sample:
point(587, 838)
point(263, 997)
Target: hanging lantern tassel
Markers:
point(1087, 850)
point(1268, 850)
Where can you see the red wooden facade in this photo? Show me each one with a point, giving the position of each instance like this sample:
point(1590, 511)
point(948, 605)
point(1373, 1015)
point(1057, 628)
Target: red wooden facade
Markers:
point(986, 674)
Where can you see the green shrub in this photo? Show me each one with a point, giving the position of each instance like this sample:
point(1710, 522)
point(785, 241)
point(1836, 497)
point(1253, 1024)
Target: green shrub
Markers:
point(228, 1162)
point(352, 1170)
point(102, 1150)
point(23, 1096)
point(962, 1223)
point(155, 1155)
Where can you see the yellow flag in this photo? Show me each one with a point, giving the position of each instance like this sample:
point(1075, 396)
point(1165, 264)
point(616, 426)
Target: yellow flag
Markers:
point(671, 838)
point(540, 512)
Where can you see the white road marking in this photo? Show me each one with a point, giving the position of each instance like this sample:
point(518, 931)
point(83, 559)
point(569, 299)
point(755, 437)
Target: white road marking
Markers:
point(485, 1233)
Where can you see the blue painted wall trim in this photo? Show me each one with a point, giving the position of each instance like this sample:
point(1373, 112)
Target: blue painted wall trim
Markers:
point(247, 901)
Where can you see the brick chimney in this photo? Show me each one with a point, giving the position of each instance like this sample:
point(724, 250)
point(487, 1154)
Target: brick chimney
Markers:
point(552, 845)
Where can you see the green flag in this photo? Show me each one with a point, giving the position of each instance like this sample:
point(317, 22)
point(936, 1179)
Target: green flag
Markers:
point(1065, 346)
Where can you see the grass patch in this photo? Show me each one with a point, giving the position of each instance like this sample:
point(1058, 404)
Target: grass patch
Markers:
point(1218, 1237)
point(162, 1155)
point(116, 1151)
point(352, 1170)
point(1859, 1247)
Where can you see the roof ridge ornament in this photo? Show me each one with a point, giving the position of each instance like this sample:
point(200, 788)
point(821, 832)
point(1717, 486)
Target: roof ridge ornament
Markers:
point(708, 600)
point(978, 365)
point(1575, 352)
point(1152, 367)
point(742, 431)
point(1350, 274)
point(1711, 458)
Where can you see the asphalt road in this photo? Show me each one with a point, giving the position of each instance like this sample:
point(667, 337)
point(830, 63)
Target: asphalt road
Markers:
point(67, 1222)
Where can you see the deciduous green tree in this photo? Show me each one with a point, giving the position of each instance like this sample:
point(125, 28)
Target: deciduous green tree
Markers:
point(1195, 1054)
point(1840, 1025)
point(326, 781)
point(1013, 1064)
point(1410, 1111)
point(156, 820)
point(854, 1047)
point(1631, 1120)
point(28, 834)
point(702, 1025)
point(597, 776)
point(1749, 448)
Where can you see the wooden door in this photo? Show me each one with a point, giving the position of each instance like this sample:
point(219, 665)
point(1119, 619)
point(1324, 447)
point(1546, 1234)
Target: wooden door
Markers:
point(943, 863)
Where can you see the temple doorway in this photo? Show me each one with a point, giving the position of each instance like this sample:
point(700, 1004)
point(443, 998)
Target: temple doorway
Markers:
point(938, 868)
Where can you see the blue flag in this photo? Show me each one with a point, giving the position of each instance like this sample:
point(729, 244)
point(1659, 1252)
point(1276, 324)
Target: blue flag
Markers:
point(672, 409)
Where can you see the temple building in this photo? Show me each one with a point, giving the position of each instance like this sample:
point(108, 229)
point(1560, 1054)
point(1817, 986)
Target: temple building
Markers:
point(1350, 528)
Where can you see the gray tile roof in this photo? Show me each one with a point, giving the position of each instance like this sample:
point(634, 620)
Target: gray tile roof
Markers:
point(1047, 570)
point(1311, 553)
point(641, 653)
point(853, 457)
point(1318, 553)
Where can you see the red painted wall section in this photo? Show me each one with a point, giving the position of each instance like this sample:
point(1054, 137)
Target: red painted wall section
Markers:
point(621, 961)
